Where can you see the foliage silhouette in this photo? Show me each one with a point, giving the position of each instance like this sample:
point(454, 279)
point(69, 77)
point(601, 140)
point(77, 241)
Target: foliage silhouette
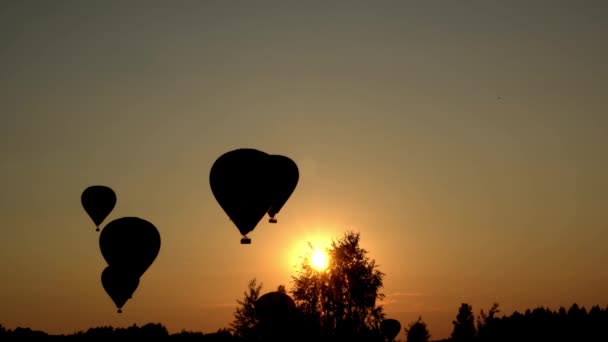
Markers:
point(543, 324)
point(417, 331)
point(245, 321)
point(341, 300)
point(464, 325)
point(486, 323)
point(538, 324)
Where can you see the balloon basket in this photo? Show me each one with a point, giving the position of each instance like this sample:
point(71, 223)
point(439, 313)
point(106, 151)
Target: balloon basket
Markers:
point(272, 220)
point(97, 229)
point(119, 311)
point(245, 241)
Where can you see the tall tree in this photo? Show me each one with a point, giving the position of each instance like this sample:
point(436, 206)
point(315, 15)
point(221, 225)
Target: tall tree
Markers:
point(464, 325)
point(245, 320)
point(341, 299)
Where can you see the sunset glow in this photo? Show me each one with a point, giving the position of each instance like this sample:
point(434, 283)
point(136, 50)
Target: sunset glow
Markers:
point(319, 260)
point(465, 142)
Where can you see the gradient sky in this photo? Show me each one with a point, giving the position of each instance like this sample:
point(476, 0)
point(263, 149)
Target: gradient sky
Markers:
point(467, 143)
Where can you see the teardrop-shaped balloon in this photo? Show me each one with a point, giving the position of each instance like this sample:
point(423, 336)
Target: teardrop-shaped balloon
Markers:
point(240, 182)
point(130, 244)
point(98, 201)
point(390, 328)
point(119, 285)
point(285, 176)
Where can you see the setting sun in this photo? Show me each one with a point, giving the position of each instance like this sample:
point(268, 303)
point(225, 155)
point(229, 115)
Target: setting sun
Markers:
point(319, 260)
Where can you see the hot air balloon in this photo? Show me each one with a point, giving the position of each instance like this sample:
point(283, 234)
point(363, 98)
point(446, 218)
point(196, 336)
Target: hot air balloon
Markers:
point(275, 305)
point(285, 176)
point(98, 201)
point(130, 244)
point(390, 328)
point(241, 183)
point(276, 312)
point(119, 285)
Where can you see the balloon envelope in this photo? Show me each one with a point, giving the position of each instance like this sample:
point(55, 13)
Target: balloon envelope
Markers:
point(130, 244)
point(274, 306)
point(240, 182)
point(119, 285)
point(390, 328)
point(98, 201)
point(285, 176)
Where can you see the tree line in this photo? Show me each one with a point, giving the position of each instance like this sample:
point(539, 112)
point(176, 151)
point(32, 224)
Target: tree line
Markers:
point(539, 324)
point(341, 303)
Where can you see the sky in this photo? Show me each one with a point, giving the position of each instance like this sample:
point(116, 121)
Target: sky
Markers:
point(465, 141)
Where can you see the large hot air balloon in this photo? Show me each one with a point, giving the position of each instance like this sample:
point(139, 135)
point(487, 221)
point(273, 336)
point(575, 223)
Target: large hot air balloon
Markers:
point(98, 201)
point(390, 328)
point(119, 285)
point(285, 176)
point(130, 244)
point(241, 183)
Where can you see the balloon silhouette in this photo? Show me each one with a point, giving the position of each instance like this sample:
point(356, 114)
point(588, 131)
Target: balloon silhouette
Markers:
point(130, 244)
point(285, 176)
point(274, 308)
point(119, 285)
point(98, 201)
point(241, 183)
point(390, 328)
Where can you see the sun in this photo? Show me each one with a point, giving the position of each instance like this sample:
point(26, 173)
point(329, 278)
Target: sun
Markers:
point(319, 260)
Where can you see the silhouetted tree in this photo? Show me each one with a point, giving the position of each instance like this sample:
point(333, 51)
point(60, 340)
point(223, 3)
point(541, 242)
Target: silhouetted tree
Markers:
point(187, 336)
point(417, 331)
point(155, 330)
point(486, 323)
point(27, 332)
point(245, 320)
point(221, 335)
point(464, 325)
point(100, 332)
point(342, 298)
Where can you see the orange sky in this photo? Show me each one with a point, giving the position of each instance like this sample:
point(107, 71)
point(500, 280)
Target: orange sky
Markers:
point(467, 145)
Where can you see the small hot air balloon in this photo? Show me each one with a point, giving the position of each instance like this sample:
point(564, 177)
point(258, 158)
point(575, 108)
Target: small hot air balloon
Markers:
point(275, 305)
point(240, 180)
point(130, 244)
point(119, 285)
point(276, 312)
point(98, 201)
point(285, 176)
point(390, 328)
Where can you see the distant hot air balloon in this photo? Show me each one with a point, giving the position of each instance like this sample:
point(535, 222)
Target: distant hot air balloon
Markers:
point(274, 308)
point(241, 183)
point(119, 285)
point(130, 244)
point(390, 328)
point(98, 201)
point(285, 176)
